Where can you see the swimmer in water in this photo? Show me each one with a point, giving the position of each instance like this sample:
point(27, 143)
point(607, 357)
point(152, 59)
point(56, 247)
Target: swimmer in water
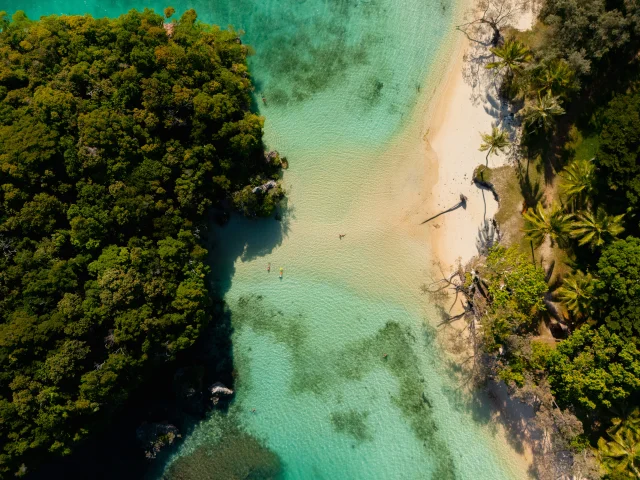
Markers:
point(269, 267)
point(281, 271)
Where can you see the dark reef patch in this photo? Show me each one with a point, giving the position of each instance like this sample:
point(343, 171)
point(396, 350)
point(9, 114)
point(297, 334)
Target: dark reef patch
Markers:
point(352, 423)
point(392, 348)
point(304, 54)
point(236, 455)
point(301, 66)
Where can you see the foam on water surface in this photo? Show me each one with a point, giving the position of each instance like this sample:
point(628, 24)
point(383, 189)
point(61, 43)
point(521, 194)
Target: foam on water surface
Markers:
point(339, 359)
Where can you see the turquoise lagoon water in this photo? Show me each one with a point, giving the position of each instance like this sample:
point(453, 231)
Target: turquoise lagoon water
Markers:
point(340, 373)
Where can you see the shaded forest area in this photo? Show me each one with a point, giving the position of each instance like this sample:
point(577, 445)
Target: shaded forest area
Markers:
point(117, 139)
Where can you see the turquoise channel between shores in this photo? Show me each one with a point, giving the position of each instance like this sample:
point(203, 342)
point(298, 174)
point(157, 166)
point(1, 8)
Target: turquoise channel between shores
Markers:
point(339, 371)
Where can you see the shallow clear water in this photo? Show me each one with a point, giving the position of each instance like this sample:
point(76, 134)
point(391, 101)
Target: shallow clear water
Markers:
point(339, 359)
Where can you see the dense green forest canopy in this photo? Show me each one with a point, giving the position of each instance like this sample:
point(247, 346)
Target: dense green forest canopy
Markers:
point(618, 158)
point(116, 136)
point(590, 34)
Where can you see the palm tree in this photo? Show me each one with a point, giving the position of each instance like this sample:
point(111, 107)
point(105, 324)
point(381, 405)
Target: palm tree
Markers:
point(495, 142)
point(576, 293)
point(541, 223)
point(543, 112)
point(554, 78)
point(577, 182)
point(621, 454)
point(597, 229)
point(513, 55)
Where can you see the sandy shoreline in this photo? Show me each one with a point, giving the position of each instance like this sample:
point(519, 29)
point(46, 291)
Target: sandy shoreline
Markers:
point(467, 106)
point(461, 115)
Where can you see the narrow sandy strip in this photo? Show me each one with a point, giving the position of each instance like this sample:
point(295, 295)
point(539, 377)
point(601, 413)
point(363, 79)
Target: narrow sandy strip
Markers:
point(468, 106)
point(462, 114)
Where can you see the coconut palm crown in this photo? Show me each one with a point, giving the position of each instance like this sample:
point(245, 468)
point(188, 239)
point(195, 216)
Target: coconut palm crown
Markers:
point(576, 293)
point(542, 113)
point(596, 229)
point(577, 182)
point(513, 56)
point(620, 454)
point(555, 78)
point(541, 223)
point(495, 142)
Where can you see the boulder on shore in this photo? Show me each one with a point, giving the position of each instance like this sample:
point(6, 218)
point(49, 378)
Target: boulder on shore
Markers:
point(265, 187)
point(218, 390)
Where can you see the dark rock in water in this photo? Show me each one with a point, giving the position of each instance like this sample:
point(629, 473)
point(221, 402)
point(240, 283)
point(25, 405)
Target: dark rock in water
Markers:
point(189, 390)
point(153, 437)
point(219, 388)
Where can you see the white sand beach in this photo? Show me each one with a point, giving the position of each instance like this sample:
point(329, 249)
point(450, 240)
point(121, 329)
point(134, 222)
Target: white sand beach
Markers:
point(467, 106)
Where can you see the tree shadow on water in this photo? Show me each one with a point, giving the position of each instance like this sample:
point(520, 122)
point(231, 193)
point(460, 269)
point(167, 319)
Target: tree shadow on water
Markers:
point(244, 240)
point(178, 394)
point(489, 404)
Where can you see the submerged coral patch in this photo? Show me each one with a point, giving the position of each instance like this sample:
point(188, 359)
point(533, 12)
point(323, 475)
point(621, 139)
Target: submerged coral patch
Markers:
point(236, 455)
point(352, 423)
point(391, 348)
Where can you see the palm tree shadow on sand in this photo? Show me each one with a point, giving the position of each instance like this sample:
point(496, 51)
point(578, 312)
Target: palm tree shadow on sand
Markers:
point(461, 204)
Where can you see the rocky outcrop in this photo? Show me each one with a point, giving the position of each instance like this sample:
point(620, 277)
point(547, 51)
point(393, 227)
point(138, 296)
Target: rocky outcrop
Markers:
point(271, 157)
point(265, 187)
point(153, 437)
point(481, 178)
point(218, 391)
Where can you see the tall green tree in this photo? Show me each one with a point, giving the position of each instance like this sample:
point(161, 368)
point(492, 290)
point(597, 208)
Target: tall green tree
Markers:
point(620, 452)
point(594, 370)
point(618, 157)
point(589, 34)
point(495, 142)
point(617, 290)
point(516, 289)
point(577, 182)
point(596, 229)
